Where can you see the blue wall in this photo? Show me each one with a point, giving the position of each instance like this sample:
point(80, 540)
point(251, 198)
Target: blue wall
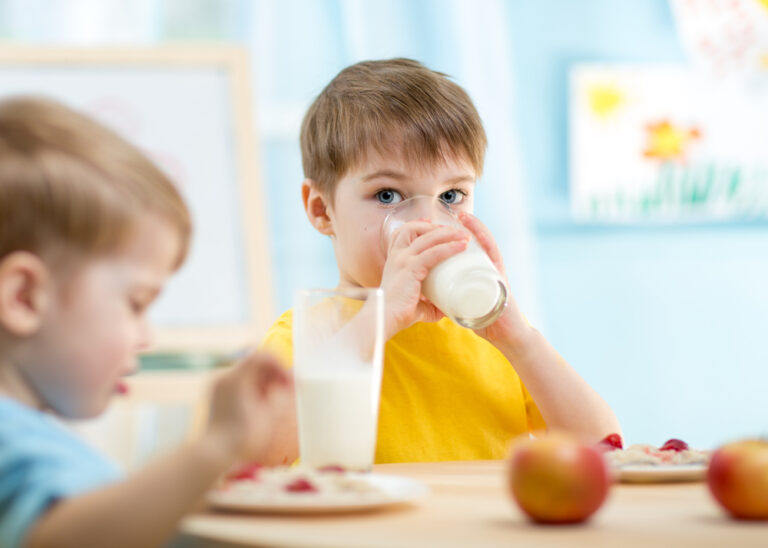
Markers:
point(668, 324)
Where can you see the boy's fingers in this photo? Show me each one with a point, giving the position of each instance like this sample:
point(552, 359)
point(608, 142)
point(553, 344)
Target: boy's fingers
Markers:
point(271, 375)
point(439, 235)
point(430, 312)
point(264, 370)
point(483, 237)
point(438, 253)
point(404, 235)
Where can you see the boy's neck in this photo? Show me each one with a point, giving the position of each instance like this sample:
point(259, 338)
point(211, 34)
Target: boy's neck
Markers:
point(345, 283)
point(14, 386)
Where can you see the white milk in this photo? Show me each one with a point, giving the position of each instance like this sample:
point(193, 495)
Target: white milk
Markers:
point(467, 287)
point(337, 416)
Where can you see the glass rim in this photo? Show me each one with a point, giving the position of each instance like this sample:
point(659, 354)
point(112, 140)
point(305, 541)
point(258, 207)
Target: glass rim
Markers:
point(360, 293)
point(420, 197)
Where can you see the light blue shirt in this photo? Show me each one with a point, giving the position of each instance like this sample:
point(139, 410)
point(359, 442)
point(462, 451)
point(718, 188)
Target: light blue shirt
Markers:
point(40, 463)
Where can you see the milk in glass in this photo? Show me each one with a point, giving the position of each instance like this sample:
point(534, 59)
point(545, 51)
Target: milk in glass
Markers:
point(467, 288)
point(337, 420)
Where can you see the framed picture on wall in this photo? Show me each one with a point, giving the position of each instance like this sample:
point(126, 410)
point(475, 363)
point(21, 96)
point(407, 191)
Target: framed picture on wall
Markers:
point(663, 143)
point(189, 109)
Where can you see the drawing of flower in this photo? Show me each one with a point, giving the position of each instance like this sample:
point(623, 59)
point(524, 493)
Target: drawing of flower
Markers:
point(667, 141)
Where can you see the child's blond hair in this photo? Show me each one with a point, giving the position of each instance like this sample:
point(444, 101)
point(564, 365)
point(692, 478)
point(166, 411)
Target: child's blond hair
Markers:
point(67, 182)
point(395, 105)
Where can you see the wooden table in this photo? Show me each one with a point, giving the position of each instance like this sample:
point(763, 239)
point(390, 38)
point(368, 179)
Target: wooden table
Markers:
point(469, 506)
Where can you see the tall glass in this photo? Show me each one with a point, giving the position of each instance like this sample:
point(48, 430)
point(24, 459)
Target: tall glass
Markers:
point(338, 344)
point(466, 287)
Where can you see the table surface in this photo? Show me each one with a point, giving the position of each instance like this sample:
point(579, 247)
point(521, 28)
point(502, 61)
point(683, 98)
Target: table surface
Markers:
point(469, 506)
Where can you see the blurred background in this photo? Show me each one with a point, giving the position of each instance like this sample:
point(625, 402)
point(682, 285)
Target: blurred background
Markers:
point(626, 178)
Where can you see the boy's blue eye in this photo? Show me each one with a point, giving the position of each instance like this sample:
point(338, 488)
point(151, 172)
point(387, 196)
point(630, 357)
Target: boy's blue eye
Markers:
point(388, 196)
point(452, 196)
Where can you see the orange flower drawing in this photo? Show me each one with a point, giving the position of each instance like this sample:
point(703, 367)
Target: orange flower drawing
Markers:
point(669, 142)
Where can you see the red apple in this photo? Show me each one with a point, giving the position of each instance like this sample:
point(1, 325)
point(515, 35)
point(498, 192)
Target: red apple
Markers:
point(738, 478)
point(557, 479)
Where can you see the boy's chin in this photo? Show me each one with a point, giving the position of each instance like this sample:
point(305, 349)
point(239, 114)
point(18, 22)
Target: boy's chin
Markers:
point(82, 410)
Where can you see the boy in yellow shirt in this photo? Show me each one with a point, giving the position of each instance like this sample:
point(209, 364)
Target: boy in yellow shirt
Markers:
point(379, 133)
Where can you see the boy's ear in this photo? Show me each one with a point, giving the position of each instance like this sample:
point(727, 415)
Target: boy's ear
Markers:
point(23, 296)
point(316, 207)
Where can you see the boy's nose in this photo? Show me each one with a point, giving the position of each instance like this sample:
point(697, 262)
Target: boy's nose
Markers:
point(145, 336)
point(427, 207)
point(424, 207)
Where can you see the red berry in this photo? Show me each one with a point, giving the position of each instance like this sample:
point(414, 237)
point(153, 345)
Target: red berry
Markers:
point(300, 485)
point(611, 442)
point(334, 468)
point(674, 445)
point(249, 471)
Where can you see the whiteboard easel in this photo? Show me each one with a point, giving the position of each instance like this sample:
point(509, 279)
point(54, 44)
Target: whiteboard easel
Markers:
point(189, 108)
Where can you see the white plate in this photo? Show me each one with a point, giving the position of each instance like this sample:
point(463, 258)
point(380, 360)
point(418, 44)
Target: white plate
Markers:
point(660, 473)
point(393, 490)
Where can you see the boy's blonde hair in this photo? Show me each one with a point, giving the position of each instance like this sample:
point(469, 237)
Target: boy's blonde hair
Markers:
point(395, 105)
point(67, 182)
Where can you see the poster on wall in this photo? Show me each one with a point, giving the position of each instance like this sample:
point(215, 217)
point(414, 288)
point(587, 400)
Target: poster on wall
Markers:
point(724, 37)
point(666, 144)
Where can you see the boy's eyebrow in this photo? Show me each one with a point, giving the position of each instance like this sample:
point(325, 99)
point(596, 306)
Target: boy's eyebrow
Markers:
point(402, 176)
point(388, 173)
point(460, 179)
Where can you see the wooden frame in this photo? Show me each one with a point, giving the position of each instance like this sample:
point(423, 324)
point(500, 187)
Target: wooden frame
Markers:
point(221, 337)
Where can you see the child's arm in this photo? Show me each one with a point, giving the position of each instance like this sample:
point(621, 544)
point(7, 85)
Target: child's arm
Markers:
point(144, 509)
point(565, 400)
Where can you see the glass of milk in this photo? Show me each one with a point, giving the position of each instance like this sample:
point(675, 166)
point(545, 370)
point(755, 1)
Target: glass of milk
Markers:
point(338, 344)
point(466, 287)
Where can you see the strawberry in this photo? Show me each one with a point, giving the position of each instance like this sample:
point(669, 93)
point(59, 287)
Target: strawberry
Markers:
point(611, 442)
point(247, 472)
point(674, 445)
point(300, 485)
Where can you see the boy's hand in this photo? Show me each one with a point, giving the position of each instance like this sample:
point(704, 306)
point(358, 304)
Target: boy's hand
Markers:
point(246, 402)
point(511, 327)
point(414, 249)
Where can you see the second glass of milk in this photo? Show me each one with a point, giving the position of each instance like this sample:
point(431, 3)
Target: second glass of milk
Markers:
point(338, 343)
point(466, 287)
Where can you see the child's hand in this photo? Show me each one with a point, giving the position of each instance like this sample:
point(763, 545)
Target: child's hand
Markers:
point(415, 249)
point(246, 402)
point(511, 326)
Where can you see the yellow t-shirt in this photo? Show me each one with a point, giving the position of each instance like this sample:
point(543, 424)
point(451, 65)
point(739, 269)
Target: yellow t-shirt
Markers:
point(446, 394)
